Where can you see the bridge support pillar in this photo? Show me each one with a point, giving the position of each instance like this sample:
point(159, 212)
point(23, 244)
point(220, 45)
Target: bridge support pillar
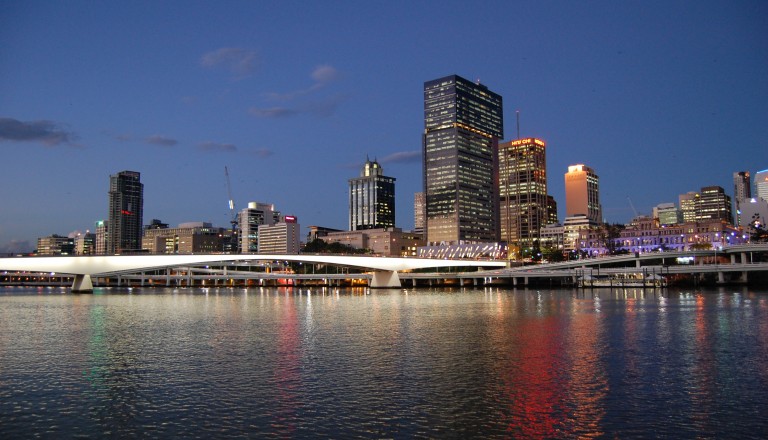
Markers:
point(385, 279)
point(720, 277)
point(82, 284)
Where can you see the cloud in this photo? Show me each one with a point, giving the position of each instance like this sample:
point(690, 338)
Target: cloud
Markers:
point(273, 112)
point(240, 62)
point(263, 152)
point(46, 132)
point(402, 157)
point(320, 108)
point(216, 147)
point(161, 140)
point(322, 75)
point(16, 247)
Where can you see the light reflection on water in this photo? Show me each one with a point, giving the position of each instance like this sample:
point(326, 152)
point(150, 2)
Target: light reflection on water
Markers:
point(622, 363)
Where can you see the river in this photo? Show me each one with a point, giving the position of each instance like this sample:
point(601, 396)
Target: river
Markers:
point(359, 363)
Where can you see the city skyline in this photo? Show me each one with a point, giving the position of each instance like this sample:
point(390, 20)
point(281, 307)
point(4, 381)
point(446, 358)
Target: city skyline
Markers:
point(658, 99)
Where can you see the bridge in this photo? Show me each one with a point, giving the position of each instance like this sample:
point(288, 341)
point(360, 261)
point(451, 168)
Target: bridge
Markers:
point(385, 269)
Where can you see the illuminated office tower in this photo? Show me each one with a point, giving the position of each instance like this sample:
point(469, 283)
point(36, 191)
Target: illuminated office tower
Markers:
point(713, 204)
point(523, 202)
point(463, 122)
point(742, 192)
point(761, 184)
point(249, 220)
point(688, 206)
point(582, 193)
point(126, 210)
point(371, 199)
point(418, 213)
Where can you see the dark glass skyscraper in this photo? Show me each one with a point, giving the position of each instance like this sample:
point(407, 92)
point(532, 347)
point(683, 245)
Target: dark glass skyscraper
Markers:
point(463, 122)
point(126, 210)
point(371, 199)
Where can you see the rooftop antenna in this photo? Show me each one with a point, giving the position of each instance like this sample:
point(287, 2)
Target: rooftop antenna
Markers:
point(517, 113)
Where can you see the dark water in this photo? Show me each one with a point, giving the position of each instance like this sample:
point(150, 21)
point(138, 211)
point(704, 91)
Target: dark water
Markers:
point(275, 363)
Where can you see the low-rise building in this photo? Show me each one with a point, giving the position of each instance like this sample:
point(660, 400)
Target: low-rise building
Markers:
point(187, 238)
point(392, 242)
point(55, 245)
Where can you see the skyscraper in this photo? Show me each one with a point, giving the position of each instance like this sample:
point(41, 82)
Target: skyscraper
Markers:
point(761, 184)
point(713, 204)
point(742, 192)
point(126, 211)
point(582, 193)
point(249, 220)
point(522, 192)
point(371, 199)
point(463, 122)
point(688, 206)
point(418, 212)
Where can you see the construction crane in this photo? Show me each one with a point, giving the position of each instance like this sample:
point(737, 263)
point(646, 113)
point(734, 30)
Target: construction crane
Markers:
point(232, 213)
point(633, 207)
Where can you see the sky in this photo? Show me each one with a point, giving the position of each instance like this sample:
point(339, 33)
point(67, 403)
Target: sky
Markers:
point(659, 98)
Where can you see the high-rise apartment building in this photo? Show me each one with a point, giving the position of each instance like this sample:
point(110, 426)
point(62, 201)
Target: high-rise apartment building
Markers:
point(418, 212)
point(761, 184)
point(463, 122)
point(249, 220)
point(371, 199)
point(582, 193)
point(523, 203)
point(126, 210)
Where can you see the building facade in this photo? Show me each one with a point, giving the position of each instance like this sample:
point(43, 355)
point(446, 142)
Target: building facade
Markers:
point(761, 184)
point(187, 238)
point(418, 212)
point(688, 206)
point(582, 193)
point(388, 242)
point(55, 245)
point(463, 122)
point(667, 213)
point(249, 220)
point(126, 210)
point(281, 237)
point(523, 200)
point(371, 199)
point(713, 204)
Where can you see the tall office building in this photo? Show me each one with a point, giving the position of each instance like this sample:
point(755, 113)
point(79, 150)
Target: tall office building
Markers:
point(463, 122)
point(713, 204)
point(371, 199)
point(523, 202)
point(742, 192)
point(418, 212)
point(582, 193)
point(126, 210)
point(688, 206)
point(249, 220)
point(761, 184)
point(667, 214)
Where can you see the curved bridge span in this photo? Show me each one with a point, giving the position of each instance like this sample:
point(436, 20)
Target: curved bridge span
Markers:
point(84, 267)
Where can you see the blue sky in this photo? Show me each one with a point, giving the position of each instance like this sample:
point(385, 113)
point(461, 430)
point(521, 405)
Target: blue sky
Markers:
point(660, 98)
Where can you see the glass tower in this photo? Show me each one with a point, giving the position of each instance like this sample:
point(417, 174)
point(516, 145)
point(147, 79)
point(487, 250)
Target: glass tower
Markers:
point(126, 211)
point(522, 193)
point(371, 199)
point(463, 122)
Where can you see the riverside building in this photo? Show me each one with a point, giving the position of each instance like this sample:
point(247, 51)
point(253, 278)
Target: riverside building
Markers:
point(371, 199)
point(523, 199)
point(281, 237)
point(582, 193)
point(126, 210)
point(187, 238)
point(463, 122)
point(249, 220)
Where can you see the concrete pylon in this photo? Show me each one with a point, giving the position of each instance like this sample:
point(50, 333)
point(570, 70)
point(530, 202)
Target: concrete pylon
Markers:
point(82, 284)
point(385, 279)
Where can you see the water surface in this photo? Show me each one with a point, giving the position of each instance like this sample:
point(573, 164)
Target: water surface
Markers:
point(487, 363)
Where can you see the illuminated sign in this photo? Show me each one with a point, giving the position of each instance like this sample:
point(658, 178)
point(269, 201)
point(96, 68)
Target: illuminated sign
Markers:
point(290, 219)
point(124, 212)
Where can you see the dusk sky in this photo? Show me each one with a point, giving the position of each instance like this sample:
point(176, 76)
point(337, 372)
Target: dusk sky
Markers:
point(659, 98)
